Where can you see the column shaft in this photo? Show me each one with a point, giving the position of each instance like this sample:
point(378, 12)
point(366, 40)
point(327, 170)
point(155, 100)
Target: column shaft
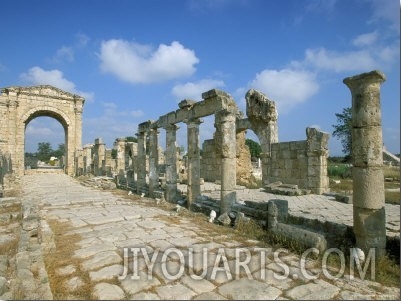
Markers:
point(193, 189)
point(141, 163)
point(171, 163)
point(153, 161)
point(367, 154)
point(225, 128)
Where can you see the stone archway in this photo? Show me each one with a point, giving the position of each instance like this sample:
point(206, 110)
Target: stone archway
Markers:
point(20, 105)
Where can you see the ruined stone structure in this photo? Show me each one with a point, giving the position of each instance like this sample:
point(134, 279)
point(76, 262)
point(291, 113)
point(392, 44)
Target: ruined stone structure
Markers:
point(20, 105)
point(215, 102)
point(367, 155)
point(302, 163)
point(210, 161)
point(5, 171)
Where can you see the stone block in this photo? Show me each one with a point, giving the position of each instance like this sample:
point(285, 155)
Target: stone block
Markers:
point(302, 237)
point(344, 198)
point(368, 187)
point(370, 229)
point(367, 148)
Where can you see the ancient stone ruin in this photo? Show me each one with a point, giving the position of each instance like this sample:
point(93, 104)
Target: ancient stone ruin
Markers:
point(225, 158)
point(19, 105)
point(144, 168)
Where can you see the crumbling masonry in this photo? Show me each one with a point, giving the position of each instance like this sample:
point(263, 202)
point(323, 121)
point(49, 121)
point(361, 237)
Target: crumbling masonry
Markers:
point(302, 163)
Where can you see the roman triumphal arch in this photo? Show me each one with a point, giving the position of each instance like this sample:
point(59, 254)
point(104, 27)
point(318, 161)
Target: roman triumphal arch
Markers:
point(20, 105)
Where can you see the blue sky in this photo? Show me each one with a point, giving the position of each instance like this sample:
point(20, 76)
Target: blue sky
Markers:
point(135, 60)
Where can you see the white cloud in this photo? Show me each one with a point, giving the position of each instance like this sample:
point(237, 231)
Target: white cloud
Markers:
point(43, 129)
point(39, 76)
point(366, 39)
point(39, 131)
point(287, 87)
point(64, 53)
point(194, 90)
point(136, 63)
point(386, 11)
point(340, 61)
point(136, 113)
point(82, 40)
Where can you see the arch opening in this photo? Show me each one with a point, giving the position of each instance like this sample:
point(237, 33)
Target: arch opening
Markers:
point(45, 141)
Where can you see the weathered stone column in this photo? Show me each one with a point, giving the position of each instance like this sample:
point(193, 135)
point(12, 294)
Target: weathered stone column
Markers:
point(87, 159)
point(141, 166)
point(226, 143)
point(99, 156)
point(193, 188)
point(171, 163)
point(262, 115)
point(153, 161)
point(367, 154)
point(120, 160)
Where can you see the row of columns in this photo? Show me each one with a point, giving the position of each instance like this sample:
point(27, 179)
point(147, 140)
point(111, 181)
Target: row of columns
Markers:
point(225, 125)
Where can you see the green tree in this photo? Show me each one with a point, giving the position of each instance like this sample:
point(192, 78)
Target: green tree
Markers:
point(343, 130)
point(131, 139)
point(254, 148)
point(60, 151)
point(44, 151)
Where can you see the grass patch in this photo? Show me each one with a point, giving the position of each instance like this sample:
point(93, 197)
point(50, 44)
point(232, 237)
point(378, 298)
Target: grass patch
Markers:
point(339, 171)
point(392, 172)
point(392, 197)
point(61, 257)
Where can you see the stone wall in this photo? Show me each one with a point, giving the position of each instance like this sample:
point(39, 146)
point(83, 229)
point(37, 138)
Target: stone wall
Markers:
point(5, 170)
point(302, 163)
point(211, 162)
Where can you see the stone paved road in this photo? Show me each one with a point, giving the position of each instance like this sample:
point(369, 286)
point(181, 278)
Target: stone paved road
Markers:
point(319, 207)
point(106, 224)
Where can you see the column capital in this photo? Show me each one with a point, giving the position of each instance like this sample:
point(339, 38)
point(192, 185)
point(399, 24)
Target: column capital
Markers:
point(225, 115)
point(373, 77)
point(171, 127)
point(193, 121)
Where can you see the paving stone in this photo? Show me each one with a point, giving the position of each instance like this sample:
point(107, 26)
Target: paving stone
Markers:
point(151, 224)
point(168, 271)
point(175, 292)
point(198, 285)
point(145, 296)
point(3, 285)
point(66, 270)
point(267, 276)
point(103, 220)
point(94, 249)
point(210, 296)
point(319, 290)
point(145, 282)
point(100, 260)
point(249, 289)
point(107, 273)
point(183, 242)
point(73, 283)
point(348, 295)
point(161, 245)
point(107, 291)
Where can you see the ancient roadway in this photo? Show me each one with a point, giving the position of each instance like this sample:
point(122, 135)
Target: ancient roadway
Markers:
point(169, 247)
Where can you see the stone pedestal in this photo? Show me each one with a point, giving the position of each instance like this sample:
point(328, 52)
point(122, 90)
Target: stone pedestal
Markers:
point(367, 153)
